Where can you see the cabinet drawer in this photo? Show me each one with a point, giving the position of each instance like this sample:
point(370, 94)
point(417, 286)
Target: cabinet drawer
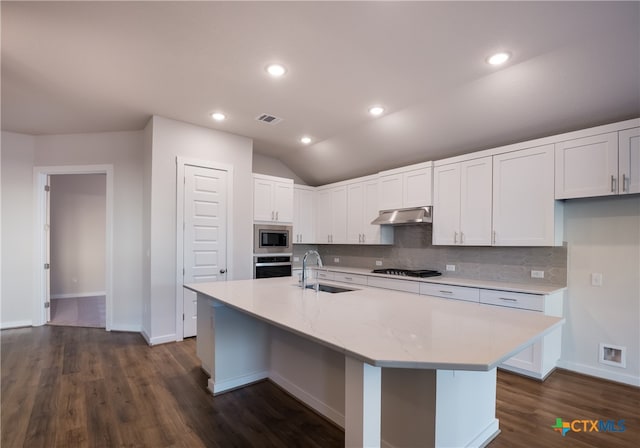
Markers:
point(390, 283)
point(350, 278)
point(533, 302)
point(325, 275)
point(450, 292)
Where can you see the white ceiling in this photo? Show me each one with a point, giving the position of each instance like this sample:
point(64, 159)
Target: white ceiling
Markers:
point(75, 67)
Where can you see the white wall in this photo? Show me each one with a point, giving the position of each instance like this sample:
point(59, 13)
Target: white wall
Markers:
point(123, 150)
point(603, 236)
point(146, 227)
point(78, 234)
point(171, 139)
point(274, 167)
point(17, 230)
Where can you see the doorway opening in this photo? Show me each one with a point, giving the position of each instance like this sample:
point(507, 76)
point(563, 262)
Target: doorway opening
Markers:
point(77, 234)
point(73, 236)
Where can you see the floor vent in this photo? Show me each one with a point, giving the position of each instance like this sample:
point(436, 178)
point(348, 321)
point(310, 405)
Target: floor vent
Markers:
point(269, 119)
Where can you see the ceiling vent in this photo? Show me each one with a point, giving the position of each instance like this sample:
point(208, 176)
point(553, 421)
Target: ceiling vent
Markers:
point(269, 119)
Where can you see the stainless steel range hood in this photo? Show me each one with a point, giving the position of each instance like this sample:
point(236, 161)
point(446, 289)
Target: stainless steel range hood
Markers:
point(416, 215)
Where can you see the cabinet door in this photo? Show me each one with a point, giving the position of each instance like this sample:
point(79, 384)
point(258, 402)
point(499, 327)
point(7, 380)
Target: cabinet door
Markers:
point(475, 202)
point(417, 188)
point(339, 215)
point(283, 201)
point(446, 204)
point(263, 200)
point(324, 216)
point(629, 152)
point(390, 191)
point(355, 212)
point(303, 216)
point(371, 233)
point(587, 167)
point(523, 198)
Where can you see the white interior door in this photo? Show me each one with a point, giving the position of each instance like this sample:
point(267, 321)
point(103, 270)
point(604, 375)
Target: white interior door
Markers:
point(205, 235)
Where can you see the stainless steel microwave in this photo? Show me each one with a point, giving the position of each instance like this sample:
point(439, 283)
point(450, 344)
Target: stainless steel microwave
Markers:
point(270, 239)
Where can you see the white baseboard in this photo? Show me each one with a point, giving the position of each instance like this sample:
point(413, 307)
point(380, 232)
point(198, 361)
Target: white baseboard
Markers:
point(164, 339)
point(128, 328)
point(235, 382)
point(16, 324)
point(145, 336)
point(605, 374)
point(308, 399)
point(76, 295)
point(486, 436)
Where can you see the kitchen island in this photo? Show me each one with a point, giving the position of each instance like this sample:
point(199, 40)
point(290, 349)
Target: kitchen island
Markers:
point(416, 370)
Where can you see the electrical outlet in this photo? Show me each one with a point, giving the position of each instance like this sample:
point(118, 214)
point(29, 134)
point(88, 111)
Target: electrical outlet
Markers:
point(336, 260)
point(296, 259)
point(596, 279)
point(378, 262)
point(537, 274)
point(451, 267)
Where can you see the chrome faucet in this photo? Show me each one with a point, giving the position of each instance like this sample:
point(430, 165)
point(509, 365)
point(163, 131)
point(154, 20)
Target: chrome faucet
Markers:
point(304, 266)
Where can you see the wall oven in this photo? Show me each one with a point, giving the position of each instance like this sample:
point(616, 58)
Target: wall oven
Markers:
point(270, 239)
point(265, 266)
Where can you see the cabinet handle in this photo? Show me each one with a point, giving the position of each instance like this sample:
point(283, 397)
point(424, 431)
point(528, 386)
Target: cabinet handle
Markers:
point(613, 184)
point(446, 292)
point(272, 215)
point(494, 237)
point(359, 237)
point(625, 180)
point(461, 237)
point(455, 237)
point(348, 278)
point(508, 299)
point(364, 238)
point(277, 216)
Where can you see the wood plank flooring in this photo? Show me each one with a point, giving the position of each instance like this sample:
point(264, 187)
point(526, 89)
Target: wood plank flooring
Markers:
point(84, 387)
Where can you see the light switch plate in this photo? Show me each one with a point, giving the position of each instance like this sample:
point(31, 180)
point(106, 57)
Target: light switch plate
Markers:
point(537, 274)
point(296, 259)
point(451, 267)
point(378, 262)
point(596, 279)
point(336, 260)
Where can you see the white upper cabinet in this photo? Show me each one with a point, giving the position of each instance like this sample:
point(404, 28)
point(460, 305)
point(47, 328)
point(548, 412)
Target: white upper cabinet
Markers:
point(331, 217)
point(304, 205)
point(462, 203)
point(272, 199)
point(405, 187)
point(524, 210)
point(362, 208)
point(587, 167)
point(629, 161)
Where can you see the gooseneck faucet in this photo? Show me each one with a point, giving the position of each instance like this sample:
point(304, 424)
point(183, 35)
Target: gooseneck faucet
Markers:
point(304, 266)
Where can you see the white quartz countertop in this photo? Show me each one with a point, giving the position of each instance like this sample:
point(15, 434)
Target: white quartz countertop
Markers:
point(388, 328)
point(529, 288)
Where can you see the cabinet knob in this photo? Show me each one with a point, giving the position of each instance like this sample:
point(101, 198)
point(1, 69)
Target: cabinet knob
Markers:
point(222, 271)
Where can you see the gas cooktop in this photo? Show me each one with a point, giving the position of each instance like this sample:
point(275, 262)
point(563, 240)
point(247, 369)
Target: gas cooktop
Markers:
point(407, 272)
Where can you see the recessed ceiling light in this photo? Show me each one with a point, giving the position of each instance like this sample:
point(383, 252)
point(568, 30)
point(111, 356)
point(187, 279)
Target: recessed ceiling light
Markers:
point(276, 70)
point(305, 140)
point(376, 110)
point(498, 58)
point(218, 116)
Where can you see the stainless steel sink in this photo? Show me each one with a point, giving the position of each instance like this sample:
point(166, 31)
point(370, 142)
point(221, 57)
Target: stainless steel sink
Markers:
point(330, 288)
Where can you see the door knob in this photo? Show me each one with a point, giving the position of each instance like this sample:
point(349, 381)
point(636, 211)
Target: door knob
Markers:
point(222, 271)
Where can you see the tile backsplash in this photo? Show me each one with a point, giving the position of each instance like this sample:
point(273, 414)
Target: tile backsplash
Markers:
point(412, 249)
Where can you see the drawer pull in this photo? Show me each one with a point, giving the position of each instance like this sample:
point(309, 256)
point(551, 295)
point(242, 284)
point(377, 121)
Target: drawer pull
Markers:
point(446, 292)
point(508, 299)
point(348, 278)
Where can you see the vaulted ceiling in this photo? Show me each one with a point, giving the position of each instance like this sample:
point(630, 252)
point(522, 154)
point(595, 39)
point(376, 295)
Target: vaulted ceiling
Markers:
point(78, 67)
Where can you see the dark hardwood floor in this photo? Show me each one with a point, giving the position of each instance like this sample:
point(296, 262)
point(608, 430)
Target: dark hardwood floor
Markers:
point(84, 387)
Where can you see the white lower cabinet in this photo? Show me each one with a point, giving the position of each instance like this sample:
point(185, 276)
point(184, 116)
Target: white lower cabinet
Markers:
point(537, 360)
point(356, 279)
